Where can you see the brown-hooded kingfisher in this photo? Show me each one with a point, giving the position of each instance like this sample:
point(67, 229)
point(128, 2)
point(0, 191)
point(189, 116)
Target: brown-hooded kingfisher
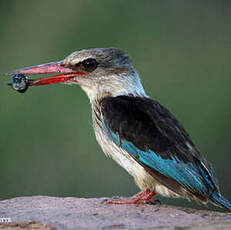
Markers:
point(136, 131)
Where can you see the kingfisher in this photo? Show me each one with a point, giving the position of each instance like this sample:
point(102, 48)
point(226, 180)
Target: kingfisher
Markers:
point(139, 133)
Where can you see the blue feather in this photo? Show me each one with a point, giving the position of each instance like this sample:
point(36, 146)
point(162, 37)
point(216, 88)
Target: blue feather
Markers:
point(186, 174)
point(221, 201)
point(206, 176)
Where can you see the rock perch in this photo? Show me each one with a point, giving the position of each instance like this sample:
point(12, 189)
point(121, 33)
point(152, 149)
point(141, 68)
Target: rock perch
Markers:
point(50, 213)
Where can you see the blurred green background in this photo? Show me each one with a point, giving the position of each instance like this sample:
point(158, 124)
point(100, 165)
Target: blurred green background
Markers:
point(182, 50)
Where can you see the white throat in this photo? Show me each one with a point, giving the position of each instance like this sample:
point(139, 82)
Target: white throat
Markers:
point(115, 86)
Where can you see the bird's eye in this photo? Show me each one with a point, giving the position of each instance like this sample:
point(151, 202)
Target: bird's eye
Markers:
point(90, 64)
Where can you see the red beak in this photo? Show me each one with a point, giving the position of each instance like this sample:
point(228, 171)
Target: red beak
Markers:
point(67, 74)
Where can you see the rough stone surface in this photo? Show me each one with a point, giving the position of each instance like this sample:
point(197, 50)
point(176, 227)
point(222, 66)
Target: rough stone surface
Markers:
point(32, 225)
point(42, 212)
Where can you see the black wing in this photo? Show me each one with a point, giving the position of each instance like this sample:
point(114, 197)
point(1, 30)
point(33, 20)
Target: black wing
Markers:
point(154, 137)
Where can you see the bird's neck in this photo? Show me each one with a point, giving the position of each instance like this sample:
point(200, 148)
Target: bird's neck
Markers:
point(130, 85)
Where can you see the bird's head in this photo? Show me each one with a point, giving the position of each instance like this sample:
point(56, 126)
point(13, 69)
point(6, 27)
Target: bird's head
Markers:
point(100, 71)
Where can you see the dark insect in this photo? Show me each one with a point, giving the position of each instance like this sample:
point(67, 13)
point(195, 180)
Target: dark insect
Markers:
point(20, 83)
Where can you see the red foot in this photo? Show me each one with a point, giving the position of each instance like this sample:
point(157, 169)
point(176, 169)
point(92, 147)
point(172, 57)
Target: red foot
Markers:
point(140, 198)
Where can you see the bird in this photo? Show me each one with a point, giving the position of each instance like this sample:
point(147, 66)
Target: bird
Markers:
point(139, 133)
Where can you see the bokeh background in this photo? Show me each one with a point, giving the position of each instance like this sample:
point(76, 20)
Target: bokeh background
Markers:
point(182, 50)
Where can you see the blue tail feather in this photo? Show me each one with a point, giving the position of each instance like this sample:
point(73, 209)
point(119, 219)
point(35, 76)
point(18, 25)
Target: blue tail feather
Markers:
point(221, 201)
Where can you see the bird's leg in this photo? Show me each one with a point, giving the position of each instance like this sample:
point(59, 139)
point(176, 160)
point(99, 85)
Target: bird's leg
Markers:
point(140, 198)
point(148, 199)
point(140, 194)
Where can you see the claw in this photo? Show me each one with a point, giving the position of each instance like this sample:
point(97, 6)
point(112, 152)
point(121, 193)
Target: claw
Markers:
point(141, 198)
point(113, 198)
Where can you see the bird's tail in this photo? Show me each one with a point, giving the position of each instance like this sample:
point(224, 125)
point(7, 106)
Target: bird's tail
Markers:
point(219, 200)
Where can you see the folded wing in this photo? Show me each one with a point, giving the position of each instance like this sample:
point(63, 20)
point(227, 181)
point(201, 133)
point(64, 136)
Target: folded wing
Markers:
point(156, 140)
